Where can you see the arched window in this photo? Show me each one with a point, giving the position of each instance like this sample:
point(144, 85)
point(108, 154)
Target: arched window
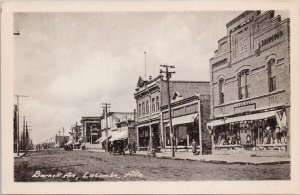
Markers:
point(143, 108)
point(243, 84)
point(221, 91)
point(153, 105)
point(271, 75)
point(157, 104)
point(140, 110)
point(147, 107)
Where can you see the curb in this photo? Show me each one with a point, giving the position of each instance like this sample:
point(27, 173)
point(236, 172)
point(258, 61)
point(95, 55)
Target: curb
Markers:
point(220, 161)
point(215, 161)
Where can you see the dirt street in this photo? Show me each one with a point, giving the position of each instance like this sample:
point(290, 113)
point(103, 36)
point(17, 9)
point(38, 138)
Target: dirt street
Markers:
point(60, 165)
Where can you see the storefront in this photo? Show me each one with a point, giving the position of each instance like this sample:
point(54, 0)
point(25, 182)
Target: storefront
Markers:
point(186, 129)
point(259, 131)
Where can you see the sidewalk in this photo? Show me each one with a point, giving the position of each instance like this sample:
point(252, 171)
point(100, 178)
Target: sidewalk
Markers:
point(20, 155)
point(223, 159)
point(220, 159)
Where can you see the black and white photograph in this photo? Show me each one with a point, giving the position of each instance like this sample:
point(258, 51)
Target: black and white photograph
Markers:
point(143, 96)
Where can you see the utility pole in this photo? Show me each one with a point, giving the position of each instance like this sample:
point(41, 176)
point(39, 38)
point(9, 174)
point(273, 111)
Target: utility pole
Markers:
point(18, 121)
point(168, 76)
point(106, 106)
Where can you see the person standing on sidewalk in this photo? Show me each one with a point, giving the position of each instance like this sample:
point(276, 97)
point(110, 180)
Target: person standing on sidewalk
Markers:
point(194, 147)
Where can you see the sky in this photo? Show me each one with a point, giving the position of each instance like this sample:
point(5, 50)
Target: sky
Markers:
point(70, 63)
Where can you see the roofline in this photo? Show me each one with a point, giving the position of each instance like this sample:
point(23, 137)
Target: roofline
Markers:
point(183, 81)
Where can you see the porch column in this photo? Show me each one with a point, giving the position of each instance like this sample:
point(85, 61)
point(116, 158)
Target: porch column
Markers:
point(163, 141)
point(200, 125)
point(150, 133)
point(84, 132)
point(212, 144)
point(137, 138)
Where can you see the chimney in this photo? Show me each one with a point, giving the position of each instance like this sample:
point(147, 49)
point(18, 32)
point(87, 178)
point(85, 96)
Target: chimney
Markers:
point(150, 78)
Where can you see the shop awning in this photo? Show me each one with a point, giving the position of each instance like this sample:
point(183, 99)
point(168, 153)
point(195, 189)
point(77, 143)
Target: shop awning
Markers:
point(102, 139)
point(69, 142)
point(249, 117)
point(184, 119)
point(119, 135)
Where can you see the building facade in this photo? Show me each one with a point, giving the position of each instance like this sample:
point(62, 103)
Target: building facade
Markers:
point(91, 130)
point(150, 97)
point(111, 128)
point(250, 84)
point(189, 116)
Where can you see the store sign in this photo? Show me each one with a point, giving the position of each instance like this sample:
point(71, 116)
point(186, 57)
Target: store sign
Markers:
point(270, 39)
point(244, 103)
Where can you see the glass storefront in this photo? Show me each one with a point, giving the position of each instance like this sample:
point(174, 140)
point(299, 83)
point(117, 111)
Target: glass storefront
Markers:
point(253, 134)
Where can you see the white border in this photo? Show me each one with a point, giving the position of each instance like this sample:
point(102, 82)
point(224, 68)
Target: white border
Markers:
point(219, 187)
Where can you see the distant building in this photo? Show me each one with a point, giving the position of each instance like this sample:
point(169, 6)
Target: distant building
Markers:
point(151, 101)
point(250, 84)
point(125, 131)
point(60, 140)
point(113, 120)
point(91, 130)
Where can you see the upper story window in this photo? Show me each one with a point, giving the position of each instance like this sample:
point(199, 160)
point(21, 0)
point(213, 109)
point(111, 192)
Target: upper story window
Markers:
point(143, 108)
point(157, 103)
point(243, 84)
point(221, 91)
point(271, 75)
point(140, 110)
point(147, 107)
point(153, 104)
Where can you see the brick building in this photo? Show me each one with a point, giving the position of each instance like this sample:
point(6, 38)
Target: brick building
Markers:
point(151, 97)
point(250, 84)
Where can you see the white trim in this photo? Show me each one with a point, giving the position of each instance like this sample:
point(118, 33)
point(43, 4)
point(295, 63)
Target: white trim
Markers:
point(183, 105)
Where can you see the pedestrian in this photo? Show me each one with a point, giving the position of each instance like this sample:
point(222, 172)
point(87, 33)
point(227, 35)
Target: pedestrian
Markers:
point(194, 147)
point(134, 147)
point(129, 146)
point(269, 135)
point(110, 148)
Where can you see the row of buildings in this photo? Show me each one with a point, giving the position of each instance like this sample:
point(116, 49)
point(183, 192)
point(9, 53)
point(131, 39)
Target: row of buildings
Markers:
point(244, 106)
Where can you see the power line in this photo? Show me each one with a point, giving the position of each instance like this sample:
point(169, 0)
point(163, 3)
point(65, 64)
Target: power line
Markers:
point(18, 120)
point(105, 106)
point(168, 76)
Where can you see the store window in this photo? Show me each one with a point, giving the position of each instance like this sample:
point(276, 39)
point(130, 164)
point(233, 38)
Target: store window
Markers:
point(143, 108)
point(153, 104)
point(157, 104)
point(147, 107)
point(243, 84)
point(221, 91)
point(140, 110)
point(271, 75)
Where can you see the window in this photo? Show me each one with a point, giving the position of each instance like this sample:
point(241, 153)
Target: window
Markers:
point(221, 91)
point(143, 108)
point(147, 107)
point(157, 104)
point(271, 75)
point(140, 110)
point(153, 104)
point(243, 84)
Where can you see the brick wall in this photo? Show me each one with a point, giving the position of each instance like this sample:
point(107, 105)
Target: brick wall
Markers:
point(266, 37)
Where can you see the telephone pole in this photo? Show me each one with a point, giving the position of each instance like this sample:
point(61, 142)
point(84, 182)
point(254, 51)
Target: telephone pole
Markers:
point(105, 106)
point(168, 76)
point(18, 121)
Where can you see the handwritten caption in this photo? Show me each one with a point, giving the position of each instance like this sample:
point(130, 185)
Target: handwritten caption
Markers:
point(88, 175)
